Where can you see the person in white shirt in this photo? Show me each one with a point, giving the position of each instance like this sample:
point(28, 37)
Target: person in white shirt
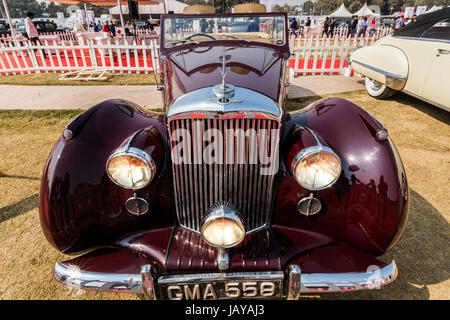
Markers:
point(399, 23)
point(31, 31)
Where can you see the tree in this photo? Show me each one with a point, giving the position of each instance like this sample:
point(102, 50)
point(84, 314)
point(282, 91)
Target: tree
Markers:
point(308, 7)
point(19, 8)
point(386, 6)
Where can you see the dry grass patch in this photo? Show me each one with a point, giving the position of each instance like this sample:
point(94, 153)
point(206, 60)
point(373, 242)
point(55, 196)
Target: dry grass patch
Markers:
point(420, 131)
point(52, 79)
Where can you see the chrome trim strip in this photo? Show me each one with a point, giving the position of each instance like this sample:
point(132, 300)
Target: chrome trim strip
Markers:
point(427, 100)
point(97, 281)
point(228, 276)
point(243, 100)
point(314, 135)
point(127, 146)
point(422, 39)
point(379, 70)
point(394, 81)
point(309, 282)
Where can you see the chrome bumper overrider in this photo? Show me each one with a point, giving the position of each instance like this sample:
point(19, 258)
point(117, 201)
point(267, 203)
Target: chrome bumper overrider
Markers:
point(296, 282)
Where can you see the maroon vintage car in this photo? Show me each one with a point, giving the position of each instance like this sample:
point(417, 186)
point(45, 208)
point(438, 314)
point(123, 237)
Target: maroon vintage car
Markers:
point(226, 194)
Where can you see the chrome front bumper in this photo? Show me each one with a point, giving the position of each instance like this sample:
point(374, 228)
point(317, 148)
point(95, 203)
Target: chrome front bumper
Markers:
point(295, 281)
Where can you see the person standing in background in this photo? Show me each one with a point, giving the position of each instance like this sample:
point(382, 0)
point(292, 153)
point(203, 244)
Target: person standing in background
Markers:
point(326, 25)
point(358, 26)
point(349, 22)
point(372, 27)
point(96, 27)
point(308, 26)
point(399, 23)
point(293, 27)
point(332, 26)
point(106, 32)
point(152, 30)
point(363, 27)
point(354, 25)
point(32, 32)
point(112, 29)
point(253, 25)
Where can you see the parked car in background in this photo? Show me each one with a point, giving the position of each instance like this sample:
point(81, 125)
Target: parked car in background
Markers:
point(414, 60)
point(387, 21)
point(142, 25)
point(226, 194)
point(4, 28)
point(42, 26)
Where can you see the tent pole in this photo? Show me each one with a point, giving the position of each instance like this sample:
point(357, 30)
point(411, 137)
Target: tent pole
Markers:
point(85, 15)
point(121, 14)
point(11, 26)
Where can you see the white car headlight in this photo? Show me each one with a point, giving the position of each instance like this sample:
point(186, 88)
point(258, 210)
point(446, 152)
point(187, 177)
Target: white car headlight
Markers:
point(316, 168)
point(223, 227)
point(131, 169)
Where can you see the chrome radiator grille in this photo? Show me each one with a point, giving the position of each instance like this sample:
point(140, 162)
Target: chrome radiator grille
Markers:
point(235, 177)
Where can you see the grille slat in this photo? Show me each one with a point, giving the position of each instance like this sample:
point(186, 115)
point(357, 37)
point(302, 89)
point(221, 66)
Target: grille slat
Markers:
point(198, 186)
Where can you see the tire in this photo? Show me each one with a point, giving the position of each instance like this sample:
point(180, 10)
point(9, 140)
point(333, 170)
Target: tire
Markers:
point(378, 90)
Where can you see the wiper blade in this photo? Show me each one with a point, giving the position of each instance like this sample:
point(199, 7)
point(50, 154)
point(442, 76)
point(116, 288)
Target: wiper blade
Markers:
point(236, 37)
point(183, 41)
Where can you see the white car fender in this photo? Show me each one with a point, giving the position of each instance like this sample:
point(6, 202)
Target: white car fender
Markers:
point(383, 63)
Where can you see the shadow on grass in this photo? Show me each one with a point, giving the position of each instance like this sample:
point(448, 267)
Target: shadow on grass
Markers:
point(431, 110)
point(18, 177)
point(19, 208)
point(294, 104)
point(422, 256)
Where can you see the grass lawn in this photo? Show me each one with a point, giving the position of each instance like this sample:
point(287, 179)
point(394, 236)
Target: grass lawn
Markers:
point(52, 79)
point(420, 131)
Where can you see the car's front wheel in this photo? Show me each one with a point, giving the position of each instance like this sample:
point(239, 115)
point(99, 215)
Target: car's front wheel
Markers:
point(377, 89)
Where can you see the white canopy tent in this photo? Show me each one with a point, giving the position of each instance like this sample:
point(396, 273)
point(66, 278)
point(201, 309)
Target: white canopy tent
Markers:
point(341, 12)
point(365, 11)
point(170, 5)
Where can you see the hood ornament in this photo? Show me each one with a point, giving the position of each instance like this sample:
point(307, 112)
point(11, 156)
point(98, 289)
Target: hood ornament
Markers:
point(224, 92)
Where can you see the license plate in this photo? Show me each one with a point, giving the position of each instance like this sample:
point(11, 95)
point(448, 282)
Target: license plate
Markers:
point(257, 285)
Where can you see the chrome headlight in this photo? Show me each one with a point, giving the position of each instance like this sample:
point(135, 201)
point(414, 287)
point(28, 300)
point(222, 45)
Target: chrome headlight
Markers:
point(223, 227)
point(131, 168)
point(316, 168)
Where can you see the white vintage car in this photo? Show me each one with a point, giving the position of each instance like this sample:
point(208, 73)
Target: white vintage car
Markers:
point(415, 60)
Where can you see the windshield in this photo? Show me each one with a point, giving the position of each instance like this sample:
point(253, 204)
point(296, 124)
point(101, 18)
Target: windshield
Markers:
point(267, 29)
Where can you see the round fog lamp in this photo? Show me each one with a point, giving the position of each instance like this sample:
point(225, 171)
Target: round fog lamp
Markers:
point(131, 169)
point(316, 168)
point(223, 227)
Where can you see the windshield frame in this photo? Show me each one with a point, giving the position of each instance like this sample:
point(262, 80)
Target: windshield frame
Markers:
point(283, 47)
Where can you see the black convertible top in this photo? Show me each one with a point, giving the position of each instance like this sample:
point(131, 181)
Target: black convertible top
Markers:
point(423, 23)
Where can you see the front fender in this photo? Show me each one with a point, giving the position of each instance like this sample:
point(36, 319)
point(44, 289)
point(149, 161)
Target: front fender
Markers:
point(80, 207)
point(368, 205)
point(384, 63)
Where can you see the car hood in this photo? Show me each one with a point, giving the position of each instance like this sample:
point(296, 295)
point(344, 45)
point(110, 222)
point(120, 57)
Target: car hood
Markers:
point(253, 67)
